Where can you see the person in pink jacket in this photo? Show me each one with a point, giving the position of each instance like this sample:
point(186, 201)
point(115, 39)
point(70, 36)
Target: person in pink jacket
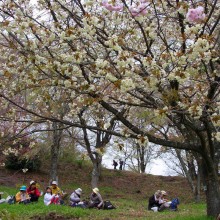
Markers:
point(33, 192)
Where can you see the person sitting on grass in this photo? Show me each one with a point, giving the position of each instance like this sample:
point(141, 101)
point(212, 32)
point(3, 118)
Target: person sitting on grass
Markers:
point(75, 200)
point(33, 191)
point(96, 200)
point(50, 198)
point(154, 201)
point(57, 191)
point(22, 196)
point(163, 201)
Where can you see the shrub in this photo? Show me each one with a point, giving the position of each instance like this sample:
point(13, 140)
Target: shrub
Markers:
point(19, 155)
point(17, 162)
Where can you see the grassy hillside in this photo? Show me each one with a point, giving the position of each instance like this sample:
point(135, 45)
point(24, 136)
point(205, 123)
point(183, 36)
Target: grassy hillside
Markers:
point(128, 191)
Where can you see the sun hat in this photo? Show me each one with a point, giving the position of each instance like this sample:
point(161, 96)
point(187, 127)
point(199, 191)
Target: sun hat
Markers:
point(54, 182)
point(164, 193)
point(95, 190)
point(78, 191)
point(32, 182)
point(23, 188)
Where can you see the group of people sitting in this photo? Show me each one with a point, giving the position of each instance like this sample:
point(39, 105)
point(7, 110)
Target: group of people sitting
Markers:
point(54, 195)
point(27, 195)
point(159, 202)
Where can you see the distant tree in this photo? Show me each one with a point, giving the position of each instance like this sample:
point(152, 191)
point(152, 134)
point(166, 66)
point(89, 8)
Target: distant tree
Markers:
point(95, 142)
point(187, 164)
point(136, 155)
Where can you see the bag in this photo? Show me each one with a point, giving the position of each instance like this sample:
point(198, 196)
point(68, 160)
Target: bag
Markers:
point(11, 200)
point(108, 205)
point(174, 203)
point(2, 201)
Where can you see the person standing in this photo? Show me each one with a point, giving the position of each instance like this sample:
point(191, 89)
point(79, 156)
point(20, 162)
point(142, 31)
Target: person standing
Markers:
point(121, 163)
point(115, 164)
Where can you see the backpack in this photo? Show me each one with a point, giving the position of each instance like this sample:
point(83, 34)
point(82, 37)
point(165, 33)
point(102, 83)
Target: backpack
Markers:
point(174, 203)
point(108, 205)
point(11, 200)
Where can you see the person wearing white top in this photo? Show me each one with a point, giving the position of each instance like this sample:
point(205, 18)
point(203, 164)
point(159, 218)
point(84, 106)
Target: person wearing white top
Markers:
point(163, 201)
point(49, 198)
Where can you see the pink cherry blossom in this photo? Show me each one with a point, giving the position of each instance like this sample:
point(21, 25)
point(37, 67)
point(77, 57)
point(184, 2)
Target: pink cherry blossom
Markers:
point(119, 7)
point(139, 10)
point(142, 8)
point(195, 15)
point(134, 11)
point(110, 7)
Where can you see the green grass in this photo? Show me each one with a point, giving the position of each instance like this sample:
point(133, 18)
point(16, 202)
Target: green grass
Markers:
point(128, 208)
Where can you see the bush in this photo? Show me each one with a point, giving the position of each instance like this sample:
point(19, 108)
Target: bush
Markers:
point(16, 162)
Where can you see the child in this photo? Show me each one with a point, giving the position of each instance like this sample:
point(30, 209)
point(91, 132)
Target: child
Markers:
point(22, 196)
point(50, 198)
point(33, 191)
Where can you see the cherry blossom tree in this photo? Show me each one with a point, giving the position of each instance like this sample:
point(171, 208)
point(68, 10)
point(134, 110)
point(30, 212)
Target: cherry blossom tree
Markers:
point(160, 57)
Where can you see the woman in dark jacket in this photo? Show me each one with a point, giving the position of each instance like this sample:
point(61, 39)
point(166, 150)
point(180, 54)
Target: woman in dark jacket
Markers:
point(154, 200)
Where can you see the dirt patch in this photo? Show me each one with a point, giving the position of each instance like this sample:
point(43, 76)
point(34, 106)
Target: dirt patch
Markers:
point(53, 216)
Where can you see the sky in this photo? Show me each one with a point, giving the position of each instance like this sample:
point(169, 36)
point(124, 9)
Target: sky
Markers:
point(156, 167)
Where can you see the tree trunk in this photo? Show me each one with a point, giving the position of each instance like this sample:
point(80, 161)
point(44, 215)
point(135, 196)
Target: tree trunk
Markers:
point(188, 174)
point(55, 149)
point(212, 189)
point(198, 187)
point(96, 172)
point(141, 158)
point(213, 197)
point(191, 166)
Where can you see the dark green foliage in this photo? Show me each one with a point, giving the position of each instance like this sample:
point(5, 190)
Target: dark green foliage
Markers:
point(18, 162)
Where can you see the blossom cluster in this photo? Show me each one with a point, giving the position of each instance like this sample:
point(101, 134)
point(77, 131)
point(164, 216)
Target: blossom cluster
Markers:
point(111, 7)
point(10, 151)
point(2, 164)
point(136, 10)
point(142, 141)
point(195, 15)
point(140, 9)
point(217, 136)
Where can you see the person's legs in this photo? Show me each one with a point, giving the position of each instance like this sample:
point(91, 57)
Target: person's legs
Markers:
point(162, 207)
point(33, 198)
point(54, 200)
point(93, 205)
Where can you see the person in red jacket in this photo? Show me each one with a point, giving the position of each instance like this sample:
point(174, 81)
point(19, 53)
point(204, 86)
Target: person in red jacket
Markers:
point(33, 192)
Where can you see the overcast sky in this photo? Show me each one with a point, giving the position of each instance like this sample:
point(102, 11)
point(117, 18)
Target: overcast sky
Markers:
point(157, 167)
